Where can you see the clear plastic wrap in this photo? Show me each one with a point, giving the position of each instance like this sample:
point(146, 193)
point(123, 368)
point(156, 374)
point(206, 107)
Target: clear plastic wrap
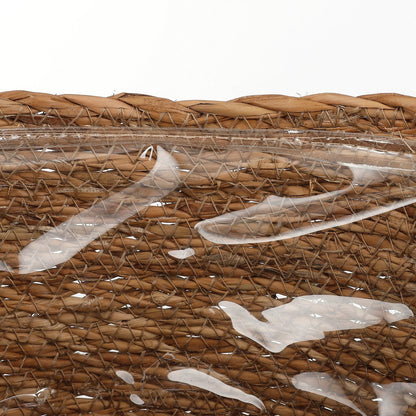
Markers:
point(206, 272)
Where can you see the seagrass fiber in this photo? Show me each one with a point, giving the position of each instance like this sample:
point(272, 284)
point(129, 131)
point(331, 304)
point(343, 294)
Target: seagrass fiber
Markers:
point(247, 257)
point(370, 113)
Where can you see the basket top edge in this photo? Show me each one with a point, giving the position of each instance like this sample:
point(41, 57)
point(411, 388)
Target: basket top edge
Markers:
point(382, 112)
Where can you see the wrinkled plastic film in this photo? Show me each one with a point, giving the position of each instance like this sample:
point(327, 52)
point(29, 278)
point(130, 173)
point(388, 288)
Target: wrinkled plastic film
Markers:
point(309, 317)
point(157, 271)
point(67, 239)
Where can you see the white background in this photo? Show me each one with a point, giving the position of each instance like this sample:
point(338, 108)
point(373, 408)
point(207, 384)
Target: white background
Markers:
point(213, 49)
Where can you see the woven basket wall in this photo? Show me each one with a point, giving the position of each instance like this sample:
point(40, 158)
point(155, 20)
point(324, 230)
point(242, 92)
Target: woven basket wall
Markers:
point(125, 266)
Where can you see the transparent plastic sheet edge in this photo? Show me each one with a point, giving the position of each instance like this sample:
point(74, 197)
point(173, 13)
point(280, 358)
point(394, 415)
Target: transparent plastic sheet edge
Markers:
point(106, 234)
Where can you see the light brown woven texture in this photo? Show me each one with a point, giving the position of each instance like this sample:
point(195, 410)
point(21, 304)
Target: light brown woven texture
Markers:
point(371, 113)
point(156, 312)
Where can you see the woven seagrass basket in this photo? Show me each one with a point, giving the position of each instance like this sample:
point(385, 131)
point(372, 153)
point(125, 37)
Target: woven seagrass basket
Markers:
point(247, 257)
